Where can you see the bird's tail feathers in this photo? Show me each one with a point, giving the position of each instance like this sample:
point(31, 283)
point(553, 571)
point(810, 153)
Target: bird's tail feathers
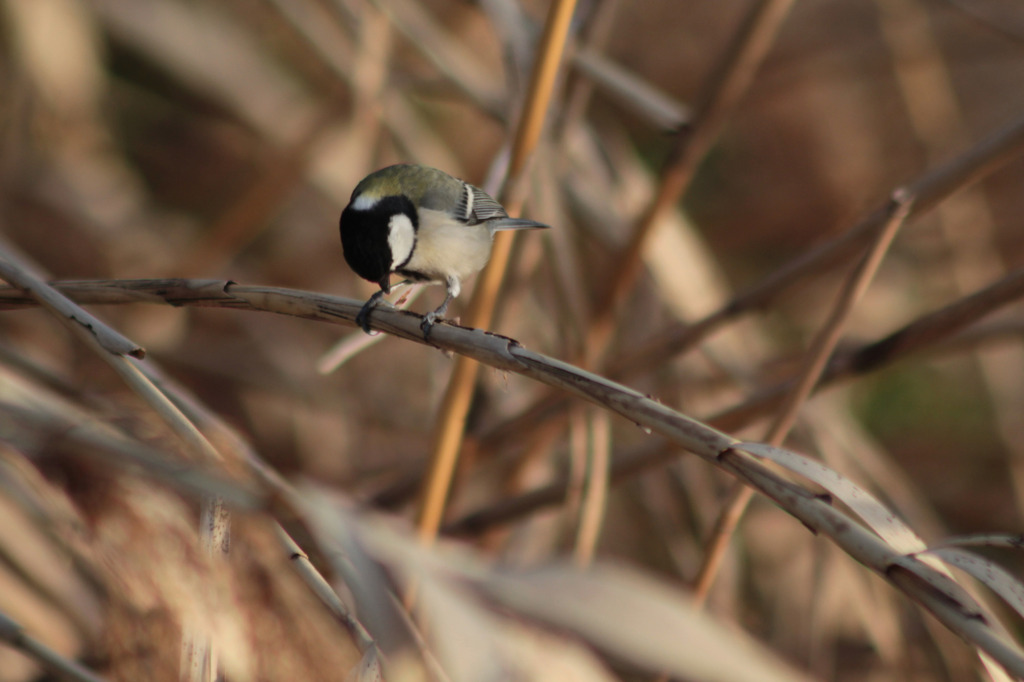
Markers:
point(499, 224)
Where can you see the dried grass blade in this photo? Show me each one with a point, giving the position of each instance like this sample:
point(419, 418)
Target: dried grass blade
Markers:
point(455, 405)
point(106, 336)
point(455, 62)
point(854, 287)
point(15, 635)
point(985, 571)
point(597, 444)
point(711, 445)
point(929, 189)
point(876, 515)
point(725, 88)
point(637, 619)
point(653, 105)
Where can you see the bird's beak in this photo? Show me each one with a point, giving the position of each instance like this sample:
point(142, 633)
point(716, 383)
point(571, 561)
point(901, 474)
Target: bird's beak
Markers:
point(385, 283)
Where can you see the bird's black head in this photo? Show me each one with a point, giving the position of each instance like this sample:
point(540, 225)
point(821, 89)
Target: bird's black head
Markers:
point(378, 236)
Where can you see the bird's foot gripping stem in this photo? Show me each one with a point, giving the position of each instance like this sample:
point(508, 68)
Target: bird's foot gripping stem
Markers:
point(363, 316)
point(432, 317)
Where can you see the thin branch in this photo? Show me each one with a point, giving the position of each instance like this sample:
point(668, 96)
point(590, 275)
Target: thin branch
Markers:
point(932, 330)
point(597, 27)
point(595, 432)
point(455, 405)
point(724, 91)
point(284, 501)
point(31, 429)
point(926, 331)
point(15, 635)
point(726, 87)
point(912, 577)
point(109, 339)
point(929, 189)
point(818, 354)
point(978, 162)
point(199, 657)
point(454, 60)
point(635, 94)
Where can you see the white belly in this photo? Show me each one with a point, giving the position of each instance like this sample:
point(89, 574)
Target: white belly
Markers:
point(445, 248)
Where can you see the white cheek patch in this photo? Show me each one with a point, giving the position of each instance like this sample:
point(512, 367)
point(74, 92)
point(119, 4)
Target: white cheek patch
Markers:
point(401, 239)
point(364, 202)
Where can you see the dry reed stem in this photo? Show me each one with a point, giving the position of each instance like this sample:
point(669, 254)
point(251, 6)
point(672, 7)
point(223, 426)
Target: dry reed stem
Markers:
point(323, 590)
point(724, 91)
point(927, 330)
point(365, 438)
point(635, 94)
point(199, 659)
point(515, 508)
point(455, 62)
point(110, 447)
point(594, 429)
point(112, 347)
point(930, 330)
point(966, 221)
point(930, 188)
point(15, 636)
point(282, 498)
point(915, 579)
point(590, 430)
point(110, 340)
point(593, 39)
point(451, 424)
point(854, 287)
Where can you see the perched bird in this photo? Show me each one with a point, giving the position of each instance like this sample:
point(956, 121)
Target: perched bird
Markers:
point(422, 224)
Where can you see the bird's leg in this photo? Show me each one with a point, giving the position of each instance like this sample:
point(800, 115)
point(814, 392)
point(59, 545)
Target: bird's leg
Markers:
point(429, 319)
point(363, 316)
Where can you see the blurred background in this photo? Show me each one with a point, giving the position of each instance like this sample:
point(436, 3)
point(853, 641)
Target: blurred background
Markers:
point(220, 140)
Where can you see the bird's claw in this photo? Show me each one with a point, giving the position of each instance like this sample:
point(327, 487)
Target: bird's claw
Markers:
point(428, 323)
point(363, 316)
point(363, 320)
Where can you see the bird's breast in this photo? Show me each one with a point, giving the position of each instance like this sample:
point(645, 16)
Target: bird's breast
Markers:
point(446, 248)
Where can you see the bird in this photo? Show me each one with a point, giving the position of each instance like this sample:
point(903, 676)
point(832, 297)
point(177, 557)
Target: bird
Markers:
point(422, 224)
